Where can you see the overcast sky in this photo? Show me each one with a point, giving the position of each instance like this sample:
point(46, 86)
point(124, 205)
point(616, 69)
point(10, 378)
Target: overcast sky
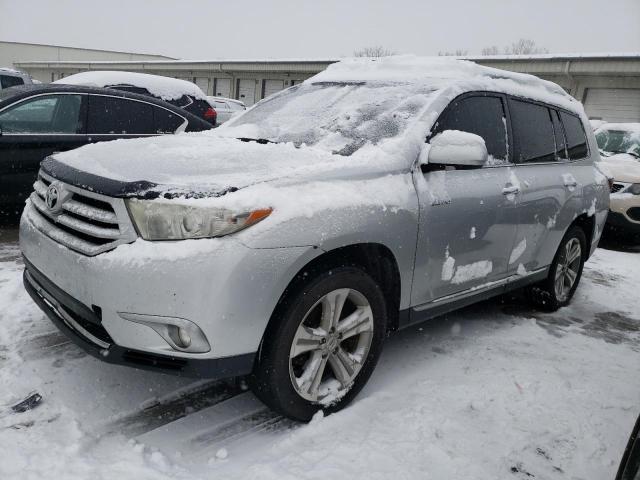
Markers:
point(200, 29)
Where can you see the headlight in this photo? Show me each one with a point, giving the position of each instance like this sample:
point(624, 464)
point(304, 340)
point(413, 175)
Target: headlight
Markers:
point(635, 189)
point(165, 220)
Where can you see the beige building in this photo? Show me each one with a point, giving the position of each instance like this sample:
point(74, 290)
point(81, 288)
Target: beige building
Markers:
point(608, 85)
point(12, 53)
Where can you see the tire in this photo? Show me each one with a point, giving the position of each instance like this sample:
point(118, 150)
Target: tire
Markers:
point(301, 366)
point(549, 295)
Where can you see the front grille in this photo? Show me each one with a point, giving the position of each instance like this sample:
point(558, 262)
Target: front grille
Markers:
point(87, 222)
point(616, 187)
point(634, 213)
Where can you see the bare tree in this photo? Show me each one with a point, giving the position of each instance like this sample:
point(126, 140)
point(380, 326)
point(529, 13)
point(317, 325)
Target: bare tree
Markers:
point(457, 53)
point(375, 51)
point(492, 50)
point(524, 46)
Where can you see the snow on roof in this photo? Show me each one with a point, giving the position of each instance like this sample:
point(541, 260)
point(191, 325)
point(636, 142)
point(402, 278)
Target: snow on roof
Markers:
point(442, 72)
point(166, 88)
point(10, 70)
point(624, 127)
point(480, 58)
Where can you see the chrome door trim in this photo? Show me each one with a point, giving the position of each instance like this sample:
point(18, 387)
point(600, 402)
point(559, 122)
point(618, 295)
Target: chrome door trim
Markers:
point(476, 290)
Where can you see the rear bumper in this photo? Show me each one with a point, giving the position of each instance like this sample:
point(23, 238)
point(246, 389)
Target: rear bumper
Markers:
point(83, 326)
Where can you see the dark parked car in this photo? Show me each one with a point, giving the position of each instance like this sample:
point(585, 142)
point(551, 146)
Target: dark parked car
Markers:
point(37, 120)
point(630, 464)
point(178, 92)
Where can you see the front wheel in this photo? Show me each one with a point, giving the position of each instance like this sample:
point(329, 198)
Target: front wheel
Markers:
point(564, 274)
point(324, 345)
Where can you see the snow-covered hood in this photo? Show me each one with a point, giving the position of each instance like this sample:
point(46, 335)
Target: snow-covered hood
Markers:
point(623, 167)
point(198, 163)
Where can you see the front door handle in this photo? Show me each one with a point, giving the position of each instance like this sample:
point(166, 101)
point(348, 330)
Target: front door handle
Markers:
point(511, 190)
point(571, 184)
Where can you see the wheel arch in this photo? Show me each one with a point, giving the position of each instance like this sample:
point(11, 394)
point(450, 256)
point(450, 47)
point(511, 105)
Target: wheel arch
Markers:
point(374, 258)
point(588, 225)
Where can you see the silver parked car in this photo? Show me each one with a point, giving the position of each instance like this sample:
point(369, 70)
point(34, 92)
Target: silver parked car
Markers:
point(226, 108)
point(286, 244)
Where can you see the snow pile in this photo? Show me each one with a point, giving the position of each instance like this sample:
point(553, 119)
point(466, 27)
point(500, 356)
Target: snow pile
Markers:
point(166, 88)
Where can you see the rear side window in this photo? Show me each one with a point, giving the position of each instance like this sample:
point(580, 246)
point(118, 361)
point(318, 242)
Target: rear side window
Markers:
point(119, 116)
point(576, 138)
point(7, 81)
point(533, 133)
point(561, 144)
point(483, 116)
point(166, 121)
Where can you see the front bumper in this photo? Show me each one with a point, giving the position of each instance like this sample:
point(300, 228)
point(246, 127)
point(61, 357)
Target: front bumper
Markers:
point(83, 327)
point(619, 221)
point(224, 287)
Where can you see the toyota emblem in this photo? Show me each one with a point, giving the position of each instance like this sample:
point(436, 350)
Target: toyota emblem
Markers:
point(52, 198)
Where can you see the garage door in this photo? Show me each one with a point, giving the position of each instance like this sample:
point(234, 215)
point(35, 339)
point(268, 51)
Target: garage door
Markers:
point(203, 83)
point(223, 87)
point(271, 86)
point(246, 91)
point(613, 104)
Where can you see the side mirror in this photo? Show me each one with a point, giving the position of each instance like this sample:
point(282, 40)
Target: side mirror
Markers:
point(453, 147)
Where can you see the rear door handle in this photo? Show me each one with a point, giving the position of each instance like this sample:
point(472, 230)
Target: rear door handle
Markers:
point(512, 190)
point(571, 184)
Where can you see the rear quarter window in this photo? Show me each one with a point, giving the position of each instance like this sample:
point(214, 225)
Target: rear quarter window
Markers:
point(533, 132)
point(7, 81)
point(576, 138)
point(166, 121)
point(119, 116)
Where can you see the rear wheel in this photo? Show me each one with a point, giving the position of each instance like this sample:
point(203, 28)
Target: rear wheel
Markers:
point(324, 345)
point(564, 274)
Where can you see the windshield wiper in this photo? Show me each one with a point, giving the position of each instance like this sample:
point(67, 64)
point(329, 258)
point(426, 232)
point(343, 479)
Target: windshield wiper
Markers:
point(261, 141)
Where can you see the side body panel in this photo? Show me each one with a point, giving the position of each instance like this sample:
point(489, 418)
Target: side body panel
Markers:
point(467, 227)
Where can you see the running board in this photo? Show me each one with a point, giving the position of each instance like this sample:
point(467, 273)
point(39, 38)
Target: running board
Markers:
point(449, 303)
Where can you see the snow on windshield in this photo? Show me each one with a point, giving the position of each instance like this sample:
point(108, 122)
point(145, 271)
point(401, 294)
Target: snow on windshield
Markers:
point(164, 87)
point(619, 138)
point(339, 117)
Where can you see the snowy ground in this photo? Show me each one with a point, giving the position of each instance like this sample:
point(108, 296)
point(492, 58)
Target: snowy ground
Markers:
point(494, 391)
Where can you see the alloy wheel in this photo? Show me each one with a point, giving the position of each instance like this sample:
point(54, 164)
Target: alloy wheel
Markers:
point(331, 345)
point(568, 269)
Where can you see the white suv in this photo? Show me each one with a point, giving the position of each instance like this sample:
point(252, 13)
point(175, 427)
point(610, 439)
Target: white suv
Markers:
point(13, 78)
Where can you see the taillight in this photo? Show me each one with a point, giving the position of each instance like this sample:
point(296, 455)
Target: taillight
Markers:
point(210, 115)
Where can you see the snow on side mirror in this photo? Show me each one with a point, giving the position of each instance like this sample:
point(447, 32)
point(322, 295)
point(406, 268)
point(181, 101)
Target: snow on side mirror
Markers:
point(453, 147)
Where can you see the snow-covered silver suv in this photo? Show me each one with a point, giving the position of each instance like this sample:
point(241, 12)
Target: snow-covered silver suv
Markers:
point(286, 244)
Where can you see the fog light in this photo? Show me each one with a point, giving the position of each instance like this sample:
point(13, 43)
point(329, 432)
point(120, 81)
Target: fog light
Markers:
point(180, 333)
point(184, 338)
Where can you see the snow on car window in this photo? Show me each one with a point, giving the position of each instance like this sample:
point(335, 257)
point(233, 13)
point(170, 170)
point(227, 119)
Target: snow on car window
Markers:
point(619, 141)
point(338, 116)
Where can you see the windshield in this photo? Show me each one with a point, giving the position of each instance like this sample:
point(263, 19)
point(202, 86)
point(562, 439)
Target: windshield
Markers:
point(619, 141)
point(340, 117)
